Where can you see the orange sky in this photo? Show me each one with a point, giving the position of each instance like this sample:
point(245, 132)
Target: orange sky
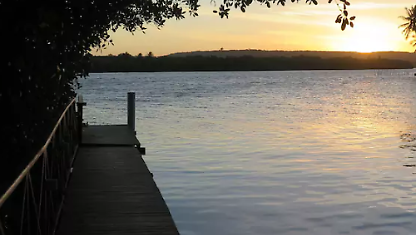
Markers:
point(293, 27)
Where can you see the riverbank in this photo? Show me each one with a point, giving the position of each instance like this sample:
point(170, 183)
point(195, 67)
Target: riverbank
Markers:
point(128, 63)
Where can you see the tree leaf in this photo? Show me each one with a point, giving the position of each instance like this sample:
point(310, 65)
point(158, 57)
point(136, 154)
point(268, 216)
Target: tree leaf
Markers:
point(344, 25)
point(339, 18)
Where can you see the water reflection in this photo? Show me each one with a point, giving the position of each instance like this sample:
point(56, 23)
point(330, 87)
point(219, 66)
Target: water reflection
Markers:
point(410, 140)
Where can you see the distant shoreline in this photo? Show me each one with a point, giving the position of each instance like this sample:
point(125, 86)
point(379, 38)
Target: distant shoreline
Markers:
point(396, 55)
point(207, 71)
point(129, 63)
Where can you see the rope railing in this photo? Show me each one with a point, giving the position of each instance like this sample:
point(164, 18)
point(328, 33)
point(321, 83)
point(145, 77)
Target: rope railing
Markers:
point(33, 203)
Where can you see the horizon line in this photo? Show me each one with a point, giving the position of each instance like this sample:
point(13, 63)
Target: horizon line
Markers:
point(261, 50)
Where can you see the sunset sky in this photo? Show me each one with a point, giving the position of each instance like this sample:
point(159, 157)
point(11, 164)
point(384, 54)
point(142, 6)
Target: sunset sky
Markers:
point(297, 26)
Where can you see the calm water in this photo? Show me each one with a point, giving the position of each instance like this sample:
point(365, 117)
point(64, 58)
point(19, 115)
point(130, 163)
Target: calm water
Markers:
point(241, 153)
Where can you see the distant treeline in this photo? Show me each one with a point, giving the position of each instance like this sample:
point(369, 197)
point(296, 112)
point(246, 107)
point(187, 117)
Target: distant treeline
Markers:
point(127, 63)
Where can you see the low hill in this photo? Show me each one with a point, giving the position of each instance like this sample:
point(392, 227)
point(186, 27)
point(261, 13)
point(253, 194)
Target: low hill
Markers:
point(128, 63)
point(392, 55)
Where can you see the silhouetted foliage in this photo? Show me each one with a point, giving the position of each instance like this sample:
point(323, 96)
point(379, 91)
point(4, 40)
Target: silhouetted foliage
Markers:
point(342, 18)
point(243, 63)
point(409, 27)
point(411, 57)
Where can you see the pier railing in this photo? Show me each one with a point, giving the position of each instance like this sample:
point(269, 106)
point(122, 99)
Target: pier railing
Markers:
point(33, 203)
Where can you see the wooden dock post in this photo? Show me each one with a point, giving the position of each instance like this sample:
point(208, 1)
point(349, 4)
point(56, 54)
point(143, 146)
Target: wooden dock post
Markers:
point(131, 110)
point(80, 105)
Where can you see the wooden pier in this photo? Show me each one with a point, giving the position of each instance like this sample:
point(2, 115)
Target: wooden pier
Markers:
point(111, 190)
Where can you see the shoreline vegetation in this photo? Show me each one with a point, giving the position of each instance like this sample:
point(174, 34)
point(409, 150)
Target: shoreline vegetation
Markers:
point(226, 62)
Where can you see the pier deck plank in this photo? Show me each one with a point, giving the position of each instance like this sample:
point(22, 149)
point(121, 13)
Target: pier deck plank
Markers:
point(108, 135)
point(112, 192)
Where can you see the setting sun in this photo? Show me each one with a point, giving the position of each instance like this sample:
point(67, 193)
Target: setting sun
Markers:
point(371, 36)
point(369, 43)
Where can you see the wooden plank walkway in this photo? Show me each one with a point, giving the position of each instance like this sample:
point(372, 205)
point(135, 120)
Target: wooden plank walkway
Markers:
point(114, 135)
point(112, 192)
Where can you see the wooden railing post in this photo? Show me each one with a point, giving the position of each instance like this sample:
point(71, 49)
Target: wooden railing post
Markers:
point(80, 105)
point(131, 110)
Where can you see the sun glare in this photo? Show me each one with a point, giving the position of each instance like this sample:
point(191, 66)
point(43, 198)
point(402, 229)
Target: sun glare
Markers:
point(369, 37)
point(369, 44)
